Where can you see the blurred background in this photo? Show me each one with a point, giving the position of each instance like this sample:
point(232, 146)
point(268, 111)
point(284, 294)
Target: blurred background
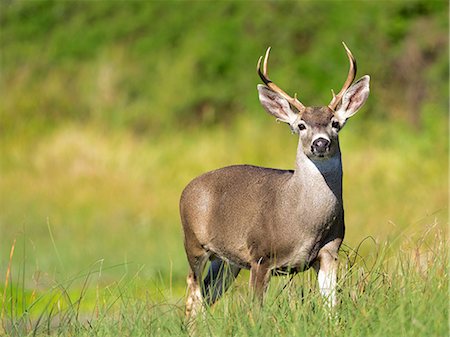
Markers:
point(109, 108)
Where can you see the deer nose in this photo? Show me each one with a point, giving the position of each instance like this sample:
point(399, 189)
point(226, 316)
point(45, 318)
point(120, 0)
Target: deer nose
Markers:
point(320, 145)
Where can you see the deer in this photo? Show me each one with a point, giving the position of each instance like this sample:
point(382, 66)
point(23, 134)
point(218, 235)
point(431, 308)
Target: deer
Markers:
point(272, 220)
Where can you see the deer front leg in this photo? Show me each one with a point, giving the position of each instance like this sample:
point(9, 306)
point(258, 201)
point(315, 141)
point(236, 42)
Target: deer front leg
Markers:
point(326, 267)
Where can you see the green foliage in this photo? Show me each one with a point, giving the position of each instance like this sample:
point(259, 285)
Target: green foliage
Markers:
point(150, 65)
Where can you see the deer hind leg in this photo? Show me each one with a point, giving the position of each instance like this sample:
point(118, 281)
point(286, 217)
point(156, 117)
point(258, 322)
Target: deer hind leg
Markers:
point(194, 300)
point(259, 279)
point(219, 278)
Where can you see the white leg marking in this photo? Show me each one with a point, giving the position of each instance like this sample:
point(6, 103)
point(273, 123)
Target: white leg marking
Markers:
point(327, 285)
point(194, 300)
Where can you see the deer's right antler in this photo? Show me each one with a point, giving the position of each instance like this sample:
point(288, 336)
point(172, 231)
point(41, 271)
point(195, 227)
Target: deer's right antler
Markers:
point(348, 82)
point(264, 77)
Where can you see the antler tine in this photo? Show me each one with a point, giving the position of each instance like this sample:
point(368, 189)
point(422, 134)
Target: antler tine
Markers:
point(348, 82)
point(265, 78)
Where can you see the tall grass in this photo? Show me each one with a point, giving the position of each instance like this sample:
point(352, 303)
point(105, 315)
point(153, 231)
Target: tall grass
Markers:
point(389, 293)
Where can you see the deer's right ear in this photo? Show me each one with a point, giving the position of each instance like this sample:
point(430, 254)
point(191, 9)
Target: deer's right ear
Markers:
point(276, 105)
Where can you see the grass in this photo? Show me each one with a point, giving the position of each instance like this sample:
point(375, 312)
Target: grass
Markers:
point(392, 292)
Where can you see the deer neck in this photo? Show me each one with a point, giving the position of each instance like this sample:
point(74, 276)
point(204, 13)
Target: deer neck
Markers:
point(325, 173)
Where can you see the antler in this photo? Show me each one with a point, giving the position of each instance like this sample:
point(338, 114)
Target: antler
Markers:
point(350, 78)
point(264, 77)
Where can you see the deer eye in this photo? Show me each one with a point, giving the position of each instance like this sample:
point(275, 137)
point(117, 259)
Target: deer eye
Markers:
point(336, 125)
point(301, 126)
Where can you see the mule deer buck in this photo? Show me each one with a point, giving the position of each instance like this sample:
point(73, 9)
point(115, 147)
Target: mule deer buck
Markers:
point(270, 220)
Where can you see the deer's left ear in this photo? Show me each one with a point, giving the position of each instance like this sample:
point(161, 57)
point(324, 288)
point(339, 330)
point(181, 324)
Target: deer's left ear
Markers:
point(353, 99)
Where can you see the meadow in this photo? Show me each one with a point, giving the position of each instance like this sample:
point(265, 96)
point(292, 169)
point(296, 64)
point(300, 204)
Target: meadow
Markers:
point(99, 136)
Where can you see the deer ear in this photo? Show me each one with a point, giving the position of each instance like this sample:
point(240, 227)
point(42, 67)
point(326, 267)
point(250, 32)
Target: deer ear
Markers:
point(353, 99)
point(276, 105)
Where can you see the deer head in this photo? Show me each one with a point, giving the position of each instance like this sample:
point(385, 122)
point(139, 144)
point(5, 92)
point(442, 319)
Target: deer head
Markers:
point(318, 127)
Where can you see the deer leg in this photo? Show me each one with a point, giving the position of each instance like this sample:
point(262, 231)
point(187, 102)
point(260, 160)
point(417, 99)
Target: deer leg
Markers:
point(259, 279)
point(326, 267)
point(194, 300)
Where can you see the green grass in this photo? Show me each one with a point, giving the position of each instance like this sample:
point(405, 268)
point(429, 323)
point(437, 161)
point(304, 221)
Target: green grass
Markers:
point(392, 292)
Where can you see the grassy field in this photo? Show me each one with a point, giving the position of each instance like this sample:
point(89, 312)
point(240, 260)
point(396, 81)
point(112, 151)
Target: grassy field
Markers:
point(385, 294)
point(108, 109)
point(93, 219)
